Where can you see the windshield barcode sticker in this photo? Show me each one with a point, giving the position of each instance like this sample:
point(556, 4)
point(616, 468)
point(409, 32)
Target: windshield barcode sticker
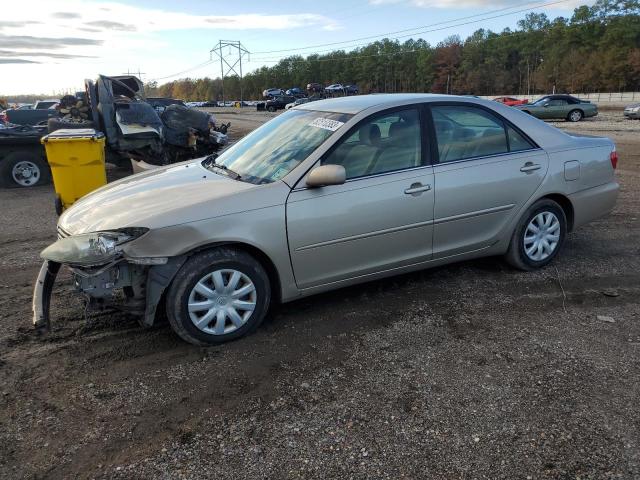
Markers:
point(326, 124)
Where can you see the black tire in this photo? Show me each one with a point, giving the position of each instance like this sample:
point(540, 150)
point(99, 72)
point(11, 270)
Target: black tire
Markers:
point(54, 124)
point(195, 269)
point(516, 256)
point(575, 116)
point(41, 175)
point(271, 108)
point(57, 203)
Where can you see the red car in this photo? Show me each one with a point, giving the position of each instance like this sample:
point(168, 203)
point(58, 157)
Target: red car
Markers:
point(510, 101)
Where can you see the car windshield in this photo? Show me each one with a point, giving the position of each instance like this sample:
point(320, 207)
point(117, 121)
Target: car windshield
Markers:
point(273, 150)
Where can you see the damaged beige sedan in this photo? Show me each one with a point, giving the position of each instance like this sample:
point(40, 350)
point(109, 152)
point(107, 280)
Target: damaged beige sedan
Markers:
point(329, 194)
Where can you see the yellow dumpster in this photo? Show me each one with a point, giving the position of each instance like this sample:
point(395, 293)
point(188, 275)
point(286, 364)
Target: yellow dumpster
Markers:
point(76, 158)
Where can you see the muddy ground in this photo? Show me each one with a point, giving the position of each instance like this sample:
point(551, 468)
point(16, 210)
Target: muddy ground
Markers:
point(470, 371)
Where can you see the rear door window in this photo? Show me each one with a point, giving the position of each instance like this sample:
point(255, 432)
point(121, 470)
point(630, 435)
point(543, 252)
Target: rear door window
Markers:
point(464, 132)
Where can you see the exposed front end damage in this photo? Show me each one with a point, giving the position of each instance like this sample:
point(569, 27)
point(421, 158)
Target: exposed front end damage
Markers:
point(42, 295)
point(133, 285)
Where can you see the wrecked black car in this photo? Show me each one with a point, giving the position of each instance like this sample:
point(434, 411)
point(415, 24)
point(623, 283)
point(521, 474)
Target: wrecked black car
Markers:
point(134, 129)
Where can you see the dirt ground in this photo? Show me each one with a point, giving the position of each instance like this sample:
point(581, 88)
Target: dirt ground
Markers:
point(470, 371)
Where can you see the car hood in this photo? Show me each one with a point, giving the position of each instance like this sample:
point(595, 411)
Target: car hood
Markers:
point(633, 105)
point(162, 197)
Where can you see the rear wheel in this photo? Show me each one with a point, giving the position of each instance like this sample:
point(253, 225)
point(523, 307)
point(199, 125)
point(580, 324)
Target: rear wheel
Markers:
point(217, 296)
point(23, 169)
point(271, 108)
point(575, 116)
point(538, 236)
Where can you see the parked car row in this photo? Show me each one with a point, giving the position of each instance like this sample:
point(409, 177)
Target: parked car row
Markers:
point(312, 88)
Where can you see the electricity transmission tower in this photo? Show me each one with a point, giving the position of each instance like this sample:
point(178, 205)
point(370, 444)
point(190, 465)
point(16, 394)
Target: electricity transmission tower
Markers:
point(235, 53)
point(139, 73)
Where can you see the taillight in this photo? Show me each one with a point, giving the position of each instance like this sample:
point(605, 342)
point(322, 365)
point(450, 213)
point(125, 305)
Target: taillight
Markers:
point(614, 158)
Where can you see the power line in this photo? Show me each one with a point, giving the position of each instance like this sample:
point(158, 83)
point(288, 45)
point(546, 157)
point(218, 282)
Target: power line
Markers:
point(429, 30)
point(200, 65)
point(423, 26)
point(498, 36)
point(370, 9)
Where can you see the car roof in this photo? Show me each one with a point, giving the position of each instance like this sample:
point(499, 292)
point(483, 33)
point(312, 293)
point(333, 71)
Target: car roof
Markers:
point(560, 96)
point(359, 103)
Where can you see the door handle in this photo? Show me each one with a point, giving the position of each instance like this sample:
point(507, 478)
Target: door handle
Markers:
point(417, 188)
point(530, 167)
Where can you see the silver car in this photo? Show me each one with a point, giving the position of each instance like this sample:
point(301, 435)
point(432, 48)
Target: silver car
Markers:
point(329, 194)
point(632, 111)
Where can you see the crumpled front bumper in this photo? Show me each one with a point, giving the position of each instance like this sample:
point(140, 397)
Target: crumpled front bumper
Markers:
point(42, 295)
point(156, 280)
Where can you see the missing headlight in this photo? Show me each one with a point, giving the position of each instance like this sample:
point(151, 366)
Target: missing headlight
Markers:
point(91, 249)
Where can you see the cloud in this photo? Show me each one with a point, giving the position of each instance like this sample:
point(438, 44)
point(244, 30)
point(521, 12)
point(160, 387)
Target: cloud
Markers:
point(15, 24)
point(51, 43)
point(109, 15)
point(59, 56)
point(16, 60)
point(108, 25)
point(66, 15)
point(113, 35)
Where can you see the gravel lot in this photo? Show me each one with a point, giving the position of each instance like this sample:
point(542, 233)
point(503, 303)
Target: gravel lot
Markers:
point(470, 371)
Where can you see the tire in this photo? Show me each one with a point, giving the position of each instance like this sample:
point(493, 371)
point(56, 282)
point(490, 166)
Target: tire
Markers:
point(271, 108)
point(517, 255)
point(23, 170)
point(196, 276)
point(54, 124)
point(575, 116)
point(57, 204)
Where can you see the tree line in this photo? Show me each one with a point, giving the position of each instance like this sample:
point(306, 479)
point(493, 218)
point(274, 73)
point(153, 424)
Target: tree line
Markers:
point(597, 49)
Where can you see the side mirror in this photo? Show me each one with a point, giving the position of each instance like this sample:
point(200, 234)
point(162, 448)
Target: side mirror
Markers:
point(325, 175)
point(545, 105)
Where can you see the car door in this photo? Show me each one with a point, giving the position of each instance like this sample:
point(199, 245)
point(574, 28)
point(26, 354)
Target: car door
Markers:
point(557, 108)
point(380, 218)
point(486, 171)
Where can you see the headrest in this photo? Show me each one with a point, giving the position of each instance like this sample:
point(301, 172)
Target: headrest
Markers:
point(370, 134)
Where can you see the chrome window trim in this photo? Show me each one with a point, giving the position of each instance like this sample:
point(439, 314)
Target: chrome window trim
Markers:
point(495, 155)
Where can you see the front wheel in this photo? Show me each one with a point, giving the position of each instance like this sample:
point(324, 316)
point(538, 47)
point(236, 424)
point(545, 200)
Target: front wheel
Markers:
point(575, 116)
point(218, 295)
point(538, 236)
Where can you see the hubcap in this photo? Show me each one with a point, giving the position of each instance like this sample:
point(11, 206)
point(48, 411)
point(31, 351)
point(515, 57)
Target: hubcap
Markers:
point(575, 116)
point(222, 301)
point(25, 173)
point(542, 236)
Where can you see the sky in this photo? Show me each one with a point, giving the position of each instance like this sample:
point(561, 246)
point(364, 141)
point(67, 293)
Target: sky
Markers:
point(51, 46)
